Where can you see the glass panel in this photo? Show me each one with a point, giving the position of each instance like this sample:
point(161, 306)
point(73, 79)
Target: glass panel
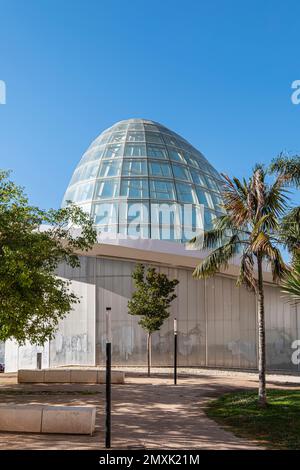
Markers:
point(208, 218)
point(117, 137)
point(103, 138)
point(120, 127)
point(134, 211)
point(134, 188)
point(135, 150)
point(202, 163)
point(211, 183)
point(110, 168)
point(184, 145)
point(165, 221)
point(113, 151)
point(151, 127)
point(138, 230)
point(134, 136)
point(106, 189)
point(203, 197)
point(105, 213)
point(69, 195)
point(176, 155)
point(160, 189)
point(193, 219)
point(91, 171)
point(217, 202)
point(157, 152)
point(160, 169)
point(154, 137)
point(170, 140)
point(92, 154)
point(198, 178)
point(136, 126)
point(85, 172)
point(221, 186)
point(181, 172)
point(185, 193)
point(134, 168)
point(214, 172)
point(192, 161)
point(84, 192)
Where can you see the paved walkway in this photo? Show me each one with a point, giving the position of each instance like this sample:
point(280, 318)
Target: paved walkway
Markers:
point(152, 413)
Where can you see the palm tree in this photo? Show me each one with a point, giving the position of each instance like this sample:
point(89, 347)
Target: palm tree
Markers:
point(288, 168)
point(248, 230)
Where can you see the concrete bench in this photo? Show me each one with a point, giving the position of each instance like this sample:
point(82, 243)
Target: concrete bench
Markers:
point(48, 419)
point(92, 376)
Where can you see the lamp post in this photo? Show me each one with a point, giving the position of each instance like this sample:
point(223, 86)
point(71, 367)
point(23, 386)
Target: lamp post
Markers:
point(108, 380)
point(175, 351)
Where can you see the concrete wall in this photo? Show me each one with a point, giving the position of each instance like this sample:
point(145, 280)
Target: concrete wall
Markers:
point(216, 321)
point(2, 352)
point(24, 357)
point(75, 340)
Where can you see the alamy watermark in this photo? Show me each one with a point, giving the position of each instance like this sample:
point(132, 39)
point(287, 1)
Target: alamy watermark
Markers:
point(296, 353)
point(2, 92)
point(166, 221)
point(295, 97)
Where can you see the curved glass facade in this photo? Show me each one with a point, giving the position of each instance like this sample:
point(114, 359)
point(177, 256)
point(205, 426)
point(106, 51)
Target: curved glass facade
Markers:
point(139, 178)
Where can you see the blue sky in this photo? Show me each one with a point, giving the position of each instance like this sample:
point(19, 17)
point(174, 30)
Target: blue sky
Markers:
point(217, 72)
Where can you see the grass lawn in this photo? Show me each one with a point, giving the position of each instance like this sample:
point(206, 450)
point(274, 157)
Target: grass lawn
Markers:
point(277, 426)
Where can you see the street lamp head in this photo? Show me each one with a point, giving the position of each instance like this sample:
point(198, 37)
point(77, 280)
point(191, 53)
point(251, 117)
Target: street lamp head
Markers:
point(108, 325)
point(175, 326)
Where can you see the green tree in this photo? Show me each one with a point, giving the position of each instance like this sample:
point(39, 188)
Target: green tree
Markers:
point(249, 232)
point(151, 301)
point(32, 244)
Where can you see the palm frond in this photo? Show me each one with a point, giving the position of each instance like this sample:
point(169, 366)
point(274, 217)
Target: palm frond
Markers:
point(276, 198)
point(288, 168)
point(278, 266)
point(246, 273)
point(217, 259)
point(267, 223)
point(234, 195)
point(290, 231)
point(291, 283)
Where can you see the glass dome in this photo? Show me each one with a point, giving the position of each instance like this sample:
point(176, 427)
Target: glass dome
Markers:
point(138, 178)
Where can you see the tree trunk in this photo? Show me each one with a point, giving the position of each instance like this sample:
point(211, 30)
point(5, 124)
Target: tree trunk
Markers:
point(262, 399)
point(149, 353)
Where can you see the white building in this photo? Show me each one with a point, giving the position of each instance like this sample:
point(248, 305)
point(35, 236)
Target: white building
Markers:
point(148, 191)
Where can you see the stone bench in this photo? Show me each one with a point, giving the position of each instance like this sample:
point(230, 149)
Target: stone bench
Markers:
point(92, 376)
point(48, 419)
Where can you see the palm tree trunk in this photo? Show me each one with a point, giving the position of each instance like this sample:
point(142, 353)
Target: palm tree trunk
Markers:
point(262, 399)
point(149, 353)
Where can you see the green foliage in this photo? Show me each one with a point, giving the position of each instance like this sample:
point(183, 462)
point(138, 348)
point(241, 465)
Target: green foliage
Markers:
point(291, 283)
point(152, 298)
point(32, 244)
point(290, 232)
point(276, 426)
point(289, 170)
point(250, 228)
